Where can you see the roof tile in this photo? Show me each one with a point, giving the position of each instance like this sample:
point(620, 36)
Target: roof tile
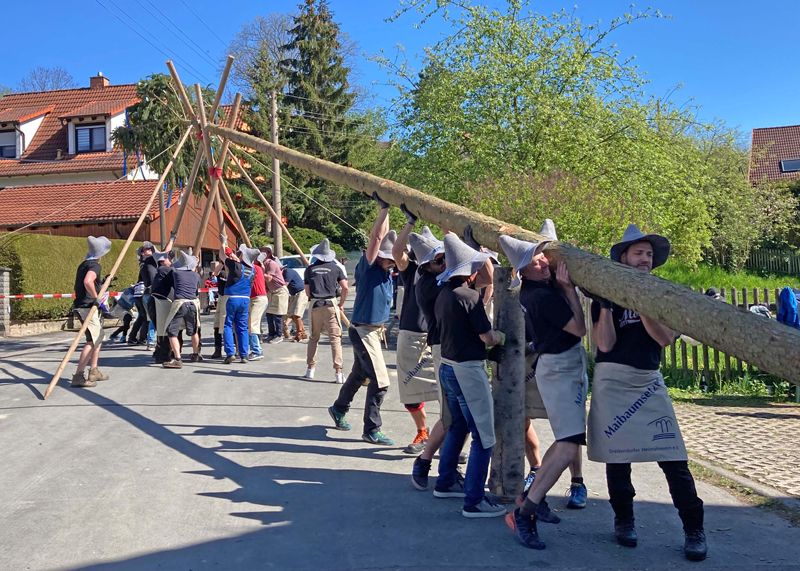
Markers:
point(769, 147)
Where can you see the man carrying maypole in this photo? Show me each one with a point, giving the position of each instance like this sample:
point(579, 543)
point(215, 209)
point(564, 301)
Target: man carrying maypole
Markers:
point(184, 313)
point(240, 273)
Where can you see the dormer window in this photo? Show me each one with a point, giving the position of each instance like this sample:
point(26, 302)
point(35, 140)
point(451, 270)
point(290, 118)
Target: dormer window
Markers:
point(90, 138)
point(8, 144)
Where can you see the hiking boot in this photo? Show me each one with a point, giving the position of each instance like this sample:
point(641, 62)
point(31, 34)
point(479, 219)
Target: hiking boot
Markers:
point(95, 374)
point(524, 529)
point(338, 419)
point(217, 354)
point(173, 364)
point(485, 508)
point(419, 473)
point(255, 357)
point(196, 358)
point(454, 491)
point(339, 380)
point(625, 532)
point(694, 547)
point(78, 380)
point(309, 375)
point(545, 515)
point(418, 444)
point(577, 496)
point(377, 437)
point(228, 360)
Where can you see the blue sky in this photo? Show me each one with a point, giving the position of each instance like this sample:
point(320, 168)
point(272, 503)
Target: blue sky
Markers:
point(734, 59)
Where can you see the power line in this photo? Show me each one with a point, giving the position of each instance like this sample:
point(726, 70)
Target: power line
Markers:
point(198, 49)
point(291, 95)
point(209, 28)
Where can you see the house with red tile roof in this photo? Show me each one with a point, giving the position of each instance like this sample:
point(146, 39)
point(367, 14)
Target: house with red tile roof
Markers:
point(775, 154)
point(60, 173)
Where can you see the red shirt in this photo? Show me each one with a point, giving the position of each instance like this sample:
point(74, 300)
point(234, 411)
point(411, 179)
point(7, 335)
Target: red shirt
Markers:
point(259, 287)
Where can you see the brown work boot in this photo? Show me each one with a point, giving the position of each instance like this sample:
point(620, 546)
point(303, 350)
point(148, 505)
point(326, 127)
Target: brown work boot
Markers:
point(95, 374)
point(173, 364)
point(300, 335)
point(78, 380)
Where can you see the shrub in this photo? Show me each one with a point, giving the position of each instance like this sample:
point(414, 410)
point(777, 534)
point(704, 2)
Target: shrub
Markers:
point(47, 264)
point(307, 237)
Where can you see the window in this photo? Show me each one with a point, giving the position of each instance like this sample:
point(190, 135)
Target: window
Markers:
point(790, 165)
point(8, 144)
point(90, 138)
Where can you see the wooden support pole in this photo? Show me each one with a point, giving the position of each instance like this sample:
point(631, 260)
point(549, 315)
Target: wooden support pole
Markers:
point(162, 222)
point(223, 80)
point(771, 346)
point(277, 226)
point(246, 175)
point(117, 263)
point(173, 234)
point(508, 388)
point(226, 196)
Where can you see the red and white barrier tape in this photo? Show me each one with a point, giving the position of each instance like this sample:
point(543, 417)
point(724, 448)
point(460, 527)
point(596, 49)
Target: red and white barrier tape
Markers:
point(72, 295)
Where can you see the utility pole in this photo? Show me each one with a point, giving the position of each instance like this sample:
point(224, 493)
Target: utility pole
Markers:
point(277, 234)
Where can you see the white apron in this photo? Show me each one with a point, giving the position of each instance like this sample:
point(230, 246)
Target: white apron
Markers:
point(258, 305)
point(163, 308)
point(370, 336)
point(474, 384)
point(173, 309)
point(631, 418)
point(278, 301)
point(297, 305)
point(534, 406)
point(219, 316)
point(563, 384)
point(415, 373)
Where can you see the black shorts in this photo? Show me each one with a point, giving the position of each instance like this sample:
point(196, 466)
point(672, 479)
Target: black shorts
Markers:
point(186, 314)
point(575, 438)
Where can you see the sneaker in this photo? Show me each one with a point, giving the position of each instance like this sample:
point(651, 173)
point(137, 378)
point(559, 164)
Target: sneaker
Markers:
point(454, 491)
point(242, 360)
point(338, 419)
point(577, 497)
point(694, 547)
point(228, 360)
point(275, 340)
point(462, 458)
point(172, 364)
point(339, 378)
point(377, 437)
point(255, 357)
point(309, 376)
point(485, 508)
point(418, 444)
point(78, 380)
point(419, 474)
point(524, 529)
point(133, 342)
point(545, 515)
point(625, 532)
point(217, 354)
point(113, 339)
point(196, 358)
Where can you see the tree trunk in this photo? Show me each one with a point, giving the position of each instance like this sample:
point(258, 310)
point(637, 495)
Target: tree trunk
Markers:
point(769, 345)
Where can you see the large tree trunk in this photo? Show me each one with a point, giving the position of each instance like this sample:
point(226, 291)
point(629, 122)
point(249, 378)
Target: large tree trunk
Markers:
point(765, 343)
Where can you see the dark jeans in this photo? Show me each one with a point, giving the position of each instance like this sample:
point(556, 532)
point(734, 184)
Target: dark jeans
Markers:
point(123, 329)
point(681, 488)
point(274, 325)
point(363, 370)
point(462, 423)
point(140, 326)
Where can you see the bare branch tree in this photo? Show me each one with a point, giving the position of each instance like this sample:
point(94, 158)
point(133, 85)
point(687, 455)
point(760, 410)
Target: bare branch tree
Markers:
point(46, 79)
point(257, 41)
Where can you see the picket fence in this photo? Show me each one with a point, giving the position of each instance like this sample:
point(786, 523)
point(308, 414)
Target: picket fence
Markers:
point(774, 261)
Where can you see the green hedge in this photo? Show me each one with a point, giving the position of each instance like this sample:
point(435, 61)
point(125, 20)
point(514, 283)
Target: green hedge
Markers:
point(307, 237)
point(47, 264)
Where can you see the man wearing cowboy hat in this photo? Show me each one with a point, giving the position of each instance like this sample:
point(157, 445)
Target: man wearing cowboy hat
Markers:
point(557, 326)
point(185, 310)
point(631, 418)
point(465, 333)
point(258, 305)
point(278, 296)
point(416, 378)
point(322, 278)
point(370, 312)
point(87, 284)
point(240, 275)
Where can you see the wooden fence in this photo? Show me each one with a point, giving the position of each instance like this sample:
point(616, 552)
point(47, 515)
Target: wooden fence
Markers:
point(688, 358)
point(775, 261)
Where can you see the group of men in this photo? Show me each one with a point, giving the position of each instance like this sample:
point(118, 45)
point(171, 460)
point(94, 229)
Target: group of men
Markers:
point(445, 338)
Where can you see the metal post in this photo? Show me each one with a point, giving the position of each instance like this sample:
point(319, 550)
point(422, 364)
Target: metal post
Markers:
point(276, 179)
point(5, 303)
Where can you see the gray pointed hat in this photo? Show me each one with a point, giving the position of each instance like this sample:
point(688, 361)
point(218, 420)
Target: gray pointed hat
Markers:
point(461, 259)
point(97, 247)
point(323, 252)
point(520, 253)
point(632, 235)
point(248, 255)
point(425, 248)
point(159, 256)
point(385, 249)
point(185, 261)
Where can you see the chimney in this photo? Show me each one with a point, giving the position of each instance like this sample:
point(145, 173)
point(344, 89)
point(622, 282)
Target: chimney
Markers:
point(98, 81)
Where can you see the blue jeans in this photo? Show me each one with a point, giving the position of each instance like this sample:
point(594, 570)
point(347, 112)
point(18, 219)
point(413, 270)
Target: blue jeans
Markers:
point(462, 424)
point(236, 312)
point(255, 345)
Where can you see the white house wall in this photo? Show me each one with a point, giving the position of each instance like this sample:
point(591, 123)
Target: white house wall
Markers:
point(28, 129)
point(112, 123)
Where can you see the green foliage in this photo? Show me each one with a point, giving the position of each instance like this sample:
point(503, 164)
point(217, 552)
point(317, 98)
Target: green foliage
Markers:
point(47, 264)
point(705, 276)
point(307, 237)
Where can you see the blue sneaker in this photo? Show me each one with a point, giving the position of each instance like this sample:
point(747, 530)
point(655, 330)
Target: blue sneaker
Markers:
point(376, 437)
point(577, 497)
point(338, 419)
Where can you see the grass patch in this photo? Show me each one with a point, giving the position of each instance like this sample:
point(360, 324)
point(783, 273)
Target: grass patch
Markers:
point(705, 276)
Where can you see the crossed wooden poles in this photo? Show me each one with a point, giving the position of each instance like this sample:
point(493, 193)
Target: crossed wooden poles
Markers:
point(218, 190)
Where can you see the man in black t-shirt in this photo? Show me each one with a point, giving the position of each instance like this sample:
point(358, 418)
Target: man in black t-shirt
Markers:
point(161, 296)
point(87, 285)
point(465, 332)
point(631, 417)
point(185, 310)
point(142, 328)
